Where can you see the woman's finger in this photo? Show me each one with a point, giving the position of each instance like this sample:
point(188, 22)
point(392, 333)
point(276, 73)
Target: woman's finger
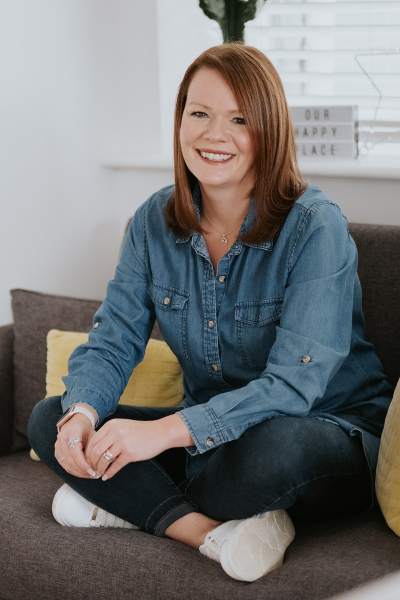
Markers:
point(105, 463)
point(78, 459)
point(75, 461)
point(98, 449)
point(104, 446)
point(94, 440)
point(71, 455)
point(115, 467)
point(68, 463)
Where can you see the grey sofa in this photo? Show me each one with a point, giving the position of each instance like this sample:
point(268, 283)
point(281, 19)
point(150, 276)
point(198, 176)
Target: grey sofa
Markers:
point(39, 559)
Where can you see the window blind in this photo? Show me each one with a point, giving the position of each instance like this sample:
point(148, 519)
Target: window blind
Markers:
point(336, 53)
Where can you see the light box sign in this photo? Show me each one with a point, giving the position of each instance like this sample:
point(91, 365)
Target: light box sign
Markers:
point(326, 132)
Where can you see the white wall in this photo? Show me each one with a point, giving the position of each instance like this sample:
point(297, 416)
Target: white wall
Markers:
point(375, 201)
point(78, 78)
point(184, 32)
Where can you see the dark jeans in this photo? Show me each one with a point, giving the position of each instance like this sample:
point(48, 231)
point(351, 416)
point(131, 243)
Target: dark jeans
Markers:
point(309, 467)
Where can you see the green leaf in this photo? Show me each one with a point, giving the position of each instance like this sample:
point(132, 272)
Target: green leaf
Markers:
point(231, 15)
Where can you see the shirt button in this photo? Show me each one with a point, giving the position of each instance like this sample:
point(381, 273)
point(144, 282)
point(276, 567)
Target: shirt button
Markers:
point(167, 300)
point(210, 442)
point(306, 358)
point(95, 326)
point(211, 324)
point(215, 367)
point(222, 278)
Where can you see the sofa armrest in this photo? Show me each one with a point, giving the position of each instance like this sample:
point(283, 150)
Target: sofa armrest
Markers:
point(6, 387)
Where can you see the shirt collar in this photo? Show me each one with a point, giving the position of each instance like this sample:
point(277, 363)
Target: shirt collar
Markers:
point(246, 225)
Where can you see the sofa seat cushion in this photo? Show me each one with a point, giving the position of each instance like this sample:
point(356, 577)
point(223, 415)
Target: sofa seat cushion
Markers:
point(42, 560)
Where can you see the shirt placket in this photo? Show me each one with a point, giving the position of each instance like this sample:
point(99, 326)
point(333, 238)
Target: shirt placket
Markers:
point(213, 290)
point(211, 349)
point(210, 326)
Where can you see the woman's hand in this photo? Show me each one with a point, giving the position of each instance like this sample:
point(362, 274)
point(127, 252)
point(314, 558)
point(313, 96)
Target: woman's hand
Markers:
point(128, 441)
point(74, 461)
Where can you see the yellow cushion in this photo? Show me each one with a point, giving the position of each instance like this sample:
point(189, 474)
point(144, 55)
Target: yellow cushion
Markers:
point(156, 381)
point(33, 455)
point(388, 470)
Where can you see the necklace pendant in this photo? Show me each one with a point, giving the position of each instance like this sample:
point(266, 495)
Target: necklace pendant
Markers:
point(224, 240)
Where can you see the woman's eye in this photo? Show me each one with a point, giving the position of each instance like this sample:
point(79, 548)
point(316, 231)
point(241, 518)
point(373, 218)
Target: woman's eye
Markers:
point(200, 114)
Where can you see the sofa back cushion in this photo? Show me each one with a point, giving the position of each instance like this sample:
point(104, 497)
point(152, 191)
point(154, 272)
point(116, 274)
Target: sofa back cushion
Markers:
point(34, 315)
point(6, 388)
point(379, 271)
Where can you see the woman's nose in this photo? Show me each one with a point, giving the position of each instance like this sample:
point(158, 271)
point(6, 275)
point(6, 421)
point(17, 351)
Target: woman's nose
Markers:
point(216, 131)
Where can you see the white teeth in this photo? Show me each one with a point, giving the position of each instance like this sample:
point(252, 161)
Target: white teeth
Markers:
point(217, 157)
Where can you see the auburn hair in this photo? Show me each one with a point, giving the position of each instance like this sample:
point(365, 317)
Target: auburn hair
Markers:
point(259, 93)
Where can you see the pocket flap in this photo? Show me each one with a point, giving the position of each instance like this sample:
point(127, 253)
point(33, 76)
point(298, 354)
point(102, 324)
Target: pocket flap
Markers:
point(167, 297)
point(259, 313)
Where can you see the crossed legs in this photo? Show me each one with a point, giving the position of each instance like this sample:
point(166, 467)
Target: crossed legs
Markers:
point(311, 468)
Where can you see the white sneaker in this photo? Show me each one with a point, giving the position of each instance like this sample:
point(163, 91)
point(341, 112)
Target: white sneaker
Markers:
point(70, 509)
point(250, 548)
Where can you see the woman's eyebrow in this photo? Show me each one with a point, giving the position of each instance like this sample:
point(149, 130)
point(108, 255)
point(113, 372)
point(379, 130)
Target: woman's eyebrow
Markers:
point(230, 112)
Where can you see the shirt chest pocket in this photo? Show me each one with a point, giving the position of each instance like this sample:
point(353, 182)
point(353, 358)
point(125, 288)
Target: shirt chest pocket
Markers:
point(256, 324)
point(171, 312)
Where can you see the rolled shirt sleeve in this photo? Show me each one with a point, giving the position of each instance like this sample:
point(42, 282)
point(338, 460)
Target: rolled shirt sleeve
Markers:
point(99, 370)
point(312, 340)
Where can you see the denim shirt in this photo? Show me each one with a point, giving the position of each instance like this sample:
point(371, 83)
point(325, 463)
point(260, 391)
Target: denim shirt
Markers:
point(277, 331)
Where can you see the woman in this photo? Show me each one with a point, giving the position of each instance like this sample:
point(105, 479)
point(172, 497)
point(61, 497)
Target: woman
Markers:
point(252, 276)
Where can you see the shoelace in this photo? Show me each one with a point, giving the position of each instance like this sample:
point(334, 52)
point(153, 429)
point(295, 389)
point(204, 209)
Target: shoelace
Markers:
point(101, 518)
point(213, 547)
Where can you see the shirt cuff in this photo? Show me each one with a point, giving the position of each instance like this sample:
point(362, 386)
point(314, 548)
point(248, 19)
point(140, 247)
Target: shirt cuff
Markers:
point(84, 396)
point(204, 428)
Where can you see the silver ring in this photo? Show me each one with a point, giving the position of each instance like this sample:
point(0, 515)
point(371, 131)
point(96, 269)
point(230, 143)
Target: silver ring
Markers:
point(61, 459)
point(108, 456)
point(73, 441)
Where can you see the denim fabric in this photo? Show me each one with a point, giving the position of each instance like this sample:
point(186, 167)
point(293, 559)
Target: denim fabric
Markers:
point(277, 331)
point(310, 467)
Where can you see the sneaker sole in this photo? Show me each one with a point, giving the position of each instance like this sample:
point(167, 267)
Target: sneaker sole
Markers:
point(263, 558)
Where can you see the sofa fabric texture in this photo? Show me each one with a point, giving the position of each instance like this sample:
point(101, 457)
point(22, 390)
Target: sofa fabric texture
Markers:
point(41, 560)
point(379, 271)
point(6, 388)
point(34, 315)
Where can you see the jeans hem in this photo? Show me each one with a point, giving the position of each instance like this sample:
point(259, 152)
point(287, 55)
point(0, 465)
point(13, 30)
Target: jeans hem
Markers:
point(173, 515)
point(172, 509)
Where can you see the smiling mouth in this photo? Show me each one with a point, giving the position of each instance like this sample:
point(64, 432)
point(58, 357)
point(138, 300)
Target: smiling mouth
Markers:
point(215, 158)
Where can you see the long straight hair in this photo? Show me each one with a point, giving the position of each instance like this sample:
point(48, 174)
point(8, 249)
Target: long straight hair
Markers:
point(259, 94)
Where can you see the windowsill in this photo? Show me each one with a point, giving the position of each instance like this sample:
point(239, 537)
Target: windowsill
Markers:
point(377, 167)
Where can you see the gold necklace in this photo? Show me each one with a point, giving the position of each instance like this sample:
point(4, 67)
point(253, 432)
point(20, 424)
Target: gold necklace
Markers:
point(224, 235)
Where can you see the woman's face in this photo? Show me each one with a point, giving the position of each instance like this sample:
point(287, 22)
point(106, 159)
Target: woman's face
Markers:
point(213, 124)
